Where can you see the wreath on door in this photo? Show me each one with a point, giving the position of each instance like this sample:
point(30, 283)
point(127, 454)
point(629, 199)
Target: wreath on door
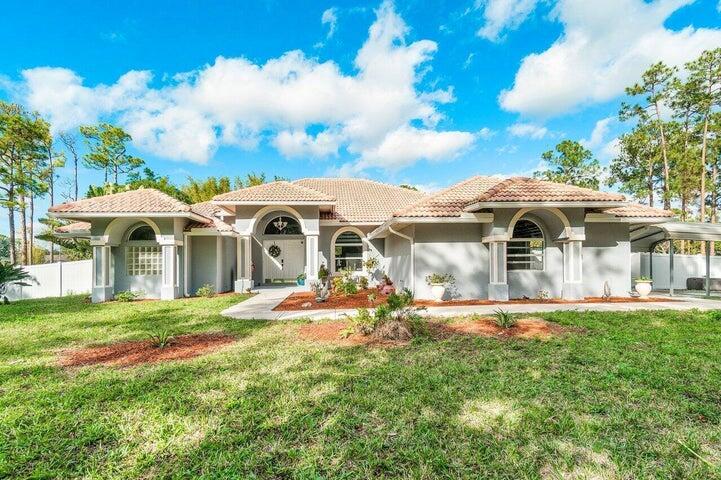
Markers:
point(274, 251)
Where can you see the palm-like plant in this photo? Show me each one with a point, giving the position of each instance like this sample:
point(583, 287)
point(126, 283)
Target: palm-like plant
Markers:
point(12, 275)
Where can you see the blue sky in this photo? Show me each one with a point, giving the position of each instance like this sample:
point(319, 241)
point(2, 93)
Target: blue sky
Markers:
point(417, 92)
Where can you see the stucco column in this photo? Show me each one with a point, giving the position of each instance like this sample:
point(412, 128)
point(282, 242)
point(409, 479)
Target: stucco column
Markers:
point(219, 267)
point(311, 258)
point(572, 270)
point(497, 275)
point(169, 289)
point(103, 289)
point(244, 261)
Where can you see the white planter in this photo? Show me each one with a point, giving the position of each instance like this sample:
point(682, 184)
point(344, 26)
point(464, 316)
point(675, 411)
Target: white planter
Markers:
point(438, 290)
point(643, 289)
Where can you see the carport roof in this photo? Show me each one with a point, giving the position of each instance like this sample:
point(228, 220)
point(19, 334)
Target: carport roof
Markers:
point(645, 237)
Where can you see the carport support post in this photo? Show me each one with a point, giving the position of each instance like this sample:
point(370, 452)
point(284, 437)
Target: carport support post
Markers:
point(708, 268)
point(670, 267)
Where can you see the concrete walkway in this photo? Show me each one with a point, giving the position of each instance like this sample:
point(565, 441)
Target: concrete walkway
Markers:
point(260, 307)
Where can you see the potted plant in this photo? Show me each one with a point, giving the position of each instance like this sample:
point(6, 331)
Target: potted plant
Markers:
point(643, 286)
point(300, 279)
point(438, 283)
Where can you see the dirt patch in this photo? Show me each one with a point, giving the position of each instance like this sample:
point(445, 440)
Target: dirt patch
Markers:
point(126, 354)
point(333, 332)
point(306, 301)
point(529, 327)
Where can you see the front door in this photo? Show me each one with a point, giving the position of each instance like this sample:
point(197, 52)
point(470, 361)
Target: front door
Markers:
point(288, 264)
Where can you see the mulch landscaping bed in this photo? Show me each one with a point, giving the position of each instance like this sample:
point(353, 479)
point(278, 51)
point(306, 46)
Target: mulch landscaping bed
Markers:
point(126, 354)
point(306, 301)
point(526, 328)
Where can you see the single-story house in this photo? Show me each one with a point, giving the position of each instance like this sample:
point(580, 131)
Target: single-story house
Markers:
point(499, 238)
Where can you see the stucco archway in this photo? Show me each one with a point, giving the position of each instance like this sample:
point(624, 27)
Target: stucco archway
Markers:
point(117, 229)
point(557, 212)
point(276, 208)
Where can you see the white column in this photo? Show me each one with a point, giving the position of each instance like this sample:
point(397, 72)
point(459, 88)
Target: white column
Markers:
point(244, 263)
point(219, 264)
point(498, 277)
point(102, 274)
point(186, 265)
point(572, 270)
point(311, 258)
point(169, 289)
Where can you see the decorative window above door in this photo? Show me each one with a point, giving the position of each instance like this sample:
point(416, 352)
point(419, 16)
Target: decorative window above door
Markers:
point(283, 226)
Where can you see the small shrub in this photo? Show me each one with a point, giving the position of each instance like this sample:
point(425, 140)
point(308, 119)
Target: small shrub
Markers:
point(371, 264)
point(372, 298)
point(363, 322)
point(126, 296)
point(543, 295)
point(347, 331)
point(323, 272)
point(207, 290)
point(350, 287)
point(337, 284)
point(161, 338)
point(440, 279)
point(363, 283)
point(715, 315)
point(504, 319)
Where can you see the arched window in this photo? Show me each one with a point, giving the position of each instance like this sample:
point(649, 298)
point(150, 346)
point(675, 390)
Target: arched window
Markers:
point(283, 226)
point(348, 252)
point(143, 254)
point(526, 248)
point(143, 233)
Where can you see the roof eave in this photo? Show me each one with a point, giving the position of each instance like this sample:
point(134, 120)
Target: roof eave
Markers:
point(91, 215)
point(474, 207)
point(235, 202)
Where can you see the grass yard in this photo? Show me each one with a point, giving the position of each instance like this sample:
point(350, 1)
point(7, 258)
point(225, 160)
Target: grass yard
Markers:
point(635, 396)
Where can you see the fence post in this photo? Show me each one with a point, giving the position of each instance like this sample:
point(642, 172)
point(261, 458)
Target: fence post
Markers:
point(60, 280)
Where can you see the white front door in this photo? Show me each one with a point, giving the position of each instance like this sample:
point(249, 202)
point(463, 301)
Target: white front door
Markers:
point(286, 266)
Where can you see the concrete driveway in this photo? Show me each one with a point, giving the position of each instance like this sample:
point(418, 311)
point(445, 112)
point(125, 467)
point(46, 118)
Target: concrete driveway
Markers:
point(260, 307)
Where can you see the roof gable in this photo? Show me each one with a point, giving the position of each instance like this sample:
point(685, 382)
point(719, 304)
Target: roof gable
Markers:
point(523, 189)
point(450, 201)
point(275, 192)
point(142, 200)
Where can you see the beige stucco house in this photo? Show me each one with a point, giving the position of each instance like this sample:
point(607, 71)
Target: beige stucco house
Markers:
point(500, 238)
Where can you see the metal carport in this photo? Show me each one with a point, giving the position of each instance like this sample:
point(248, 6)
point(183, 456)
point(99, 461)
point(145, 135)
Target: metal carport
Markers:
point(644, 238)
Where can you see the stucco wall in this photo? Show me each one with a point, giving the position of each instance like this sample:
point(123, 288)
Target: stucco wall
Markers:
point(607, 258)
point(202, 262)
point(456, 249)
point(148, 284)
point(398, 258)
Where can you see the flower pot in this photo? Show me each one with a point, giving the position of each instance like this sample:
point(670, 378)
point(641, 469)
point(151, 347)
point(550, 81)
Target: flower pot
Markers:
point(643, 289)
point(300, 281)
point(438, 290)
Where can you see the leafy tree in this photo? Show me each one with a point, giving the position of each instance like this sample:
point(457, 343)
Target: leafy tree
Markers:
point(408, 187)
point(4, 249)
point(637, 168)
point(107, 146)
point(149, 179)
point(70, 142)
point(204, 190)
point(72, 248)
point(571, 163)
point(654, 88)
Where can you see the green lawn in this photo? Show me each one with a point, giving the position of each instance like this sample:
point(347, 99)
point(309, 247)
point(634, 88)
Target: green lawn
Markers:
point(617, 401)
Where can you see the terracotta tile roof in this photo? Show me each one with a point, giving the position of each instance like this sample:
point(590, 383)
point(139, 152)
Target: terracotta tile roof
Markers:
point(638, 210)
point(522, 189)
point(143, 200)
point(74, 227)
point(276, 192)
point(361, 200)
point(451, 201)
point(209, 210)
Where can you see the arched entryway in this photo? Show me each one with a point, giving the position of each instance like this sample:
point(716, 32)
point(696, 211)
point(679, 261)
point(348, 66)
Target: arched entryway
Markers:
point(139, 261)
point(283, 247)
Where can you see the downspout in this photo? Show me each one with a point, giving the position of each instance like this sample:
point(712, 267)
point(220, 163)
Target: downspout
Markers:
point(413, 256)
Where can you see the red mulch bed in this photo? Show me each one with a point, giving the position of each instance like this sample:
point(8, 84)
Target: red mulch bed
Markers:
point(332, 332)
point(296, 301)
point(127, 354)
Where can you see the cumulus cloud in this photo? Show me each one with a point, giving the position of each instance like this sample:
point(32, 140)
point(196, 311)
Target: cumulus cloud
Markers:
point(605, 47)
point(528, 130)
point(600, 130)
point(240, 103)
point(330, 18)
point(502, 15)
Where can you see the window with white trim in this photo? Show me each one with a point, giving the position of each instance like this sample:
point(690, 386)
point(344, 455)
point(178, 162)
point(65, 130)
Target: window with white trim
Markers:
point(525, 250)
point(348, 250)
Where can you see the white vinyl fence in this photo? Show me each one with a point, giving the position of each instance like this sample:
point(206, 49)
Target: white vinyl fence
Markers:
point(56, 280)
point(684, 266)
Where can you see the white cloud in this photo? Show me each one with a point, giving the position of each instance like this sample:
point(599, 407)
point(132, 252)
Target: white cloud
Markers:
point(236, 102)
point(611, 149)
point(600, 130)
point(485, 133)
point(528, 130)
point(507, 149)
point(605, 47)
point(330, 18)
point(502, 15)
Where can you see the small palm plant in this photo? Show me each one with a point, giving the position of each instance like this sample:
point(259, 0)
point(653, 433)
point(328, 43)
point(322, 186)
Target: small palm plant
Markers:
point(12, 275)
point(504, 319)
point(160, 338)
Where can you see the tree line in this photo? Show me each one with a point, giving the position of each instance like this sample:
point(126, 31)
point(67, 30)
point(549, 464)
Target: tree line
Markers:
point(31, 159)
point(671, 155)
